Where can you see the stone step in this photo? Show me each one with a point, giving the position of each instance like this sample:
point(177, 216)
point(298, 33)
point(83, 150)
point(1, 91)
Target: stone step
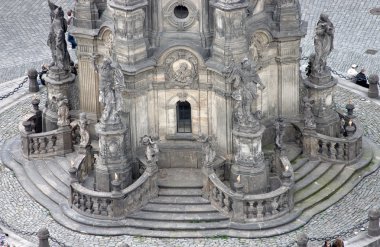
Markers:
point(313, 175)
point(179, 217)
point(319, 183)
point(51, 179)
point(188, 200)
point(178, 208)
point(179, 192)
point(58, 171)
point(42, 184)
point(305, 169)
point(63, 163)
point(299, 162)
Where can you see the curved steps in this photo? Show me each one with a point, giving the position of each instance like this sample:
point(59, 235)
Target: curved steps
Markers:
point(180, 211)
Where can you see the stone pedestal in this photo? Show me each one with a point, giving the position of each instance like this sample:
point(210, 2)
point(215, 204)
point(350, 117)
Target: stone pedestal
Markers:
point(57, 83)
point(373, 225)
point(112, 158)
point(321, 88)
point(373, 90)
point(249, 162)
point(43, 237)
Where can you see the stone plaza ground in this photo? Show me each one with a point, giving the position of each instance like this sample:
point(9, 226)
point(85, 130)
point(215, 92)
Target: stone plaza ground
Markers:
point(23, 32)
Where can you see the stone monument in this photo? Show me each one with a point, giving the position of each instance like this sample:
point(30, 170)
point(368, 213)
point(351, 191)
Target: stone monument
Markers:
point(59, 75)
point(112, 159)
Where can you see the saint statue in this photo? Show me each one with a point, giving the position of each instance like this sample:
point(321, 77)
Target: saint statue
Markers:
point(308, 113)
point(110, 91)
point(245, 80)
point(280, 132)
point(56, 39)
point(323, 43)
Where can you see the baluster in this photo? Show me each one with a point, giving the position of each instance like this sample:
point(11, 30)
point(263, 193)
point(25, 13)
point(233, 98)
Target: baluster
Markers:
point(82, 203)
point(43, 145)
point(227, 203)
point(332, 151)
point(96, 206)
point(325, 149)
point(251, 210)
point(274, 205)
point(339, 151)
point(89, 204)
point(53, 141)
point(320, 145)
point(109, 208)
point(215, 194)
point(103, 207)
point(75, 201)
point(260, 209)
point(345, 151)
point(31, 146)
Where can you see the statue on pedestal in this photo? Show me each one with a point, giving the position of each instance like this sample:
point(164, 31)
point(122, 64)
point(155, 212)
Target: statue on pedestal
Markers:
point(209, 146)
point(151, 150)
point(63, 111)
point(280, 132)
point(245, 80)
point(84, 134)
point(110, 95)
point(323, 43)
point(56, 39)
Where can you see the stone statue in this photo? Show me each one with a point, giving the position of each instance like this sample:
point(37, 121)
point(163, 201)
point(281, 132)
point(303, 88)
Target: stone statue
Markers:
point(151, 148)
point(308, 113)
point(110, 92)
point(56, 39)
point(245, 80)
point(63, 111)
point(280, 132)
point(323, 43)
point(83, 131)
point(209, 146)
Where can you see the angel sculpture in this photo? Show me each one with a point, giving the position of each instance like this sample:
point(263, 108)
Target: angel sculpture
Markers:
point(209, 146)
point(110, 96)
point(151, 148)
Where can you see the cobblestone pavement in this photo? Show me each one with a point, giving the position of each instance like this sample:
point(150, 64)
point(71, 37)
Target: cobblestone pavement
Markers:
point(23, 32)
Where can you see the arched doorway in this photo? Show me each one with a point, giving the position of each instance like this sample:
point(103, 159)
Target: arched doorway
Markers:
point(183, 117)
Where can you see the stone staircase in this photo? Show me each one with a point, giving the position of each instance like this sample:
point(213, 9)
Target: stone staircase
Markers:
point(180, 210)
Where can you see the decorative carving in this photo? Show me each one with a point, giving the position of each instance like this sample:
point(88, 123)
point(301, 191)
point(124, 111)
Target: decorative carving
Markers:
point(63, 111)
point(181, 67)
point(56, 39)
point(110, 95)
point(209, 146)
point(259, 43)
point(245, 80)
point(179, 23)
point(323, 43)
point(108, 42)
point(130, 26)
point(84, 134)
point(308, 113)
point(182, 96)
point(280, 132)
point(151, 150)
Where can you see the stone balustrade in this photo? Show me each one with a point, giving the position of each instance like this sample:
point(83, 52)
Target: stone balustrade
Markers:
point(243, 207)
point(44, 144)
point(115, 204)
point(345, 149)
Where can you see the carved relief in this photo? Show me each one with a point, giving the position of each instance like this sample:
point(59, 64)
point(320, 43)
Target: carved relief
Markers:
point(108, 41)
point(181, 23)
point(181, 67)
point(259, 43)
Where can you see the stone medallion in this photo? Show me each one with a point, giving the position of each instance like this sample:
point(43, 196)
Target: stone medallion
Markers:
point(181, 68)
point(181, 14)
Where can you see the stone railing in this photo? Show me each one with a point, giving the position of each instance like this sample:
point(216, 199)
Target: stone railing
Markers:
point(345, 149)
point(115, 204)
point(44, 144)
point(241, 207)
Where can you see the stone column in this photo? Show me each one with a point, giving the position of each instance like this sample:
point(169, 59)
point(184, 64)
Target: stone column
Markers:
point(229, 27)
point(249, 163)
point(373, 225)
point(43, 237)
point(373, 91)
point(33, 84)
point(129, 44)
